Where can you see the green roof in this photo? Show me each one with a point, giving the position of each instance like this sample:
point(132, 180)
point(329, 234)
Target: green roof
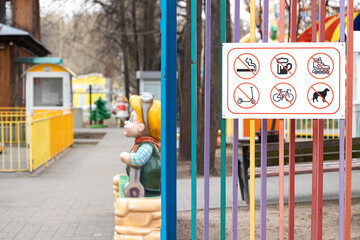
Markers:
point(39, 60)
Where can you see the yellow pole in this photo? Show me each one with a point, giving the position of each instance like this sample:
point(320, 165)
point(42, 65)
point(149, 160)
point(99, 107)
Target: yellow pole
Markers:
point(18, 141)
point(3, 145)
point(10, 134)
point(26, 143)
point(252, 138)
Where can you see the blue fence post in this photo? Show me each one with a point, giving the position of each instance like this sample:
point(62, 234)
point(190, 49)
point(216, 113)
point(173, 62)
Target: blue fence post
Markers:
point(168, 119)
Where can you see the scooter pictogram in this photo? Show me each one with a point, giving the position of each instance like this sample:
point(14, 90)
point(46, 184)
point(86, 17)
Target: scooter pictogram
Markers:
point(251, 100)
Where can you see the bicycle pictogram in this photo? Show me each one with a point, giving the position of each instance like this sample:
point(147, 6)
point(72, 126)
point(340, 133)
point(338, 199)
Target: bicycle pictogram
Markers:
point(283, 95)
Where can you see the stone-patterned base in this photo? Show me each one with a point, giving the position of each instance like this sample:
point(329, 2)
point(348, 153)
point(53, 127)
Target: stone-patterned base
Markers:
point(137, 218)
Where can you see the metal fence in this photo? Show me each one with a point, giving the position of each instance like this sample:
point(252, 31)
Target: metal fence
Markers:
point(28, 142)
point(333, 129)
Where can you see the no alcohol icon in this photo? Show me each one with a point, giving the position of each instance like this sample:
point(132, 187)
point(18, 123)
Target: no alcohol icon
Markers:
point(246, 95)
point(283, 66)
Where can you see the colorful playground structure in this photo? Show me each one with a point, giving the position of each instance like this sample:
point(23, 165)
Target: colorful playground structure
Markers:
point(168, 95)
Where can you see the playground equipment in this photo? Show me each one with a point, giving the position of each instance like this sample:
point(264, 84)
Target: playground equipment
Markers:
point(169, 131)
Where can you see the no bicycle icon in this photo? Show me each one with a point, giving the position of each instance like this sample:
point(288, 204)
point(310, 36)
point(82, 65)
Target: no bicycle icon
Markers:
point(283, 95)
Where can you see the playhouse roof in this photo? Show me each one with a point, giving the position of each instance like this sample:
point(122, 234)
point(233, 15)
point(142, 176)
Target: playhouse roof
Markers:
point(22, 38)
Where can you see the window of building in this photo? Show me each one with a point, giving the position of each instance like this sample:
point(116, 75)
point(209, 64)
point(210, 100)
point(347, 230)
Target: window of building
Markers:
point(48, 92)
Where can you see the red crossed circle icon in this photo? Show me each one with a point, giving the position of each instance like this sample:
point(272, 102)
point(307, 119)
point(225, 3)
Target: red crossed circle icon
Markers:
point(246, 66)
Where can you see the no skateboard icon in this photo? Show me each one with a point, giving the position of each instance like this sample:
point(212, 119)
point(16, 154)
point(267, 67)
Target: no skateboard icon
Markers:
point(320, 95)
point(283, 95)
point(246, 95)
point(246, 66)
point(283, 66)
point(320, 65)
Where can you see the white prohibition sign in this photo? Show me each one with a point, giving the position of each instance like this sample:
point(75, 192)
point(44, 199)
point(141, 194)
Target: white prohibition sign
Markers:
point(246, 95)
point(246, 66)
point(320, 95)
point(283, 95)
point(320, 65)
point(283, 66)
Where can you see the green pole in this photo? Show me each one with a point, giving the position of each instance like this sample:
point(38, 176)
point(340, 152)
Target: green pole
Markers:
point(193, 118)
point(223, 129)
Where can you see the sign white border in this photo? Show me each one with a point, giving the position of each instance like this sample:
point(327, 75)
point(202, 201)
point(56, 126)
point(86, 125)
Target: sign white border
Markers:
point(301, 80)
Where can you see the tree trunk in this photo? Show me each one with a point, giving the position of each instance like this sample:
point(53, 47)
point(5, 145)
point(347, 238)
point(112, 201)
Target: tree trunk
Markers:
point(184, 53)
point(200, 92)
point(215, 101)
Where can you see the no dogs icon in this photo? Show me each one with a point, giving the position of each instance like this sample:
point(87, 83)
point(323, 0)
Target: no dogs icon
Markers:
point(320, 95)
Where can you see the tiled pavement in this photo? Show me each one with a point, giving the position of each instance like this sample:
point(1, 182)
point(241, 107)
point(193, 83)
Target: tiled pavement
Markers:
point(71, 199)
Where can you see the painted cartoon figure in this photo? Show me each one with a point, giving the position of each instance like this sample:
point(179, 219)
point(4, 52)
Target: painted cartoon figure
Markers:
point(121, 110)
point(143, 162)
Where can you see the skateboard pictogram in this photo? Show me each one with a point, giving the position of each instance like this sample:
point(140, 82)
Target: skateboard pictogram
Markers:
point(283, 95)
point(246, 66)
point(320, 95)
point(246, 95)
point(283, 66)
point(320, 65)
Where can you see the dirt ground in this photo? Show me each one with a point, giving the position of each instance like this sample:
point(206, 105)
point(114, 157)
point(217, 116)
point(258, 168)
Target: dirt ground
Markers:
point(302, 222)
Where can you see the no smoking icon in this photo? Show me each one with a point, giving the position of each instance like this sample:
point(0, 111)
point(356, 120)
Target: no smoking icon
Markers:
point(246, 66)
point(320, 95)
point(246, 95)
point(283, 95)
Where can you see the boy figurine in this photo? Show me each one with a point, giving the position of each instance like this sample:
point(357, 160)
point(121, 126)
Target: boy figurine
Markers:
point(143, 162)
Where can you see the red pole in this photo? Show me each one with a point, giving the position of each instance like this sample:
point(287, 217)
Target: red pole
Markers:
point(292, 139)
point(315, 137)
point(349, 111)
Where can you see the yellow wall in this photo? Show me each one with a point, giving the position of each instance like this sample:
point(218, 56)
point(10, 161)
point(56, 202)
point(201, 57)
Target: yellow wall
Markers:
point(81, 87)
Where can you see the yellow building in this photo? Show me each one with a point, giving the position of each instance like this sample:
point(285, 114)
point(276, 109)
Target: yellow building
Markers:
point(80, 89)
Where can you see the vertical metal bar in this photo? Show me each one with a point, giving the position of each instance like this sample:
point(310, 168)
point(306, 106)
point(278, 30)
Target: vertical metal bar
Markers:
point(223, 130)
point(3, 145)
point(10, 142)
point(207, 116)
point(252, 179)
point(315, 136)
point(193, 118)
point(26, 142)
point(235, 135)
point(168, 119)
point(314, 177)
point(264, 138)
point(281, 136)
point(292, 139)
point(291, 179)
point(252, 138)
point(18, 142)
point(341, 140)
point(349, 112)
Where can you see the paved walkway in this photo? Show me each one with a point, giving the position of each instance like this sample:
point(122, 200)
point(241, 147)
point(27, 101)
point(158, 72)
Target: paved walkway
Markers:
point(71, 199)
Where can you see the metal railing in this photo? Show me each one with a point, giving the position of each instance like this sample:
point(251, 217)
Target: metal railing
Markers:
point(28, 142)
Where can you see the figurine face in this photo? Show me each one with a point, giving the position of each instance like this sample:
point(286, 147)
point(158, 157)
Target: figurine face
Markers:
point(133, 127)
